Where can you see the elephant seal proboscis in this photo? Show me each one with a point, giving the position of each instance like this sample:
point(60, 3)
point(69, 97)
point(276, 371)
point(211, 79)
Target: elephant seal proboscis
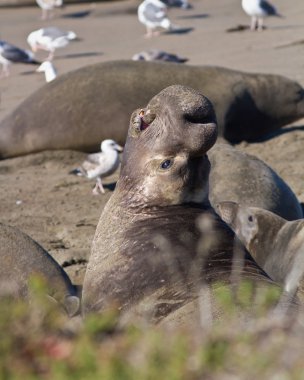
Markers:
point(21, 258)
point(150, 254)
point(81, 108)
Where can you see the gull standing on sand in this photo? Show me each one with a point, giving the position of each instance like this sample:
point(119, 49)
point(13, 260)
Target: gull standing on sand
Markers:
point(11, 54)
point(153, 14)
point(48, 69)
point(258, 10)
point(50, 39)
point(48, 6)
point(100, 165)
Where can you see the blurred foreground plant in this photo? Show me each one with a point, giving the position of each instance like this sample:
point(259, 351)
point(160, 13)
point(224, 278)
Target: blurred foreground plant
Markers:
point(38, 342)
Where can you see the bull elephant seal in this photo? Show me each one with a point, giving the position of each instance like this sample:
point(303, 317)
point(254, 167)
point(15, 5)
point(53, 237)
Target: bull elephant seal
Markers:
point(21, 257)
point(276, 244)
point(86, 106)
point(149, 255)
point(242, 178)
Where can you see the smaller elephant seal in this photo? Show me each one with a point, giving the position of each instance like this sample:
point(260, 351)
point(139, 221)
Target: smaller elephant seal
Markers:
point(21, 257)
point(276, 244)
point(242, 178)
point(158, 240)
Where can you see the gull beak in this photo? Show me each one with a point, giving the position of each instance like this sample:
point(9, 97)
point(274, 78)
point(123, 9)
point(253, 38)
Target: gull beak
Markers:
point(119, 148)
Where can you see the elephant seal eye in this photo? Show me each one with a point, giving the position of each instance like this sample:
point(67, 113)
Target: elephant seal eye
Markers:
point(166, 164)
point(250, 218)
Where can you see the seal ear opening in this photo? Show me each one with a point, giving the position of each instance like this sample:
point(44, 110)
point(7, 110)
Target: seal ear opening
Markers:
point(140, 120)
point(135, 123)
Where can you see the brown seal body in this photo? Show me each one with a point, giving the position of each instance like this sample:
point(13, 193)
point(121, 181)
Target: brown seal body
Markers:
point(276, 244)
point(158, 240)
point(242, 178)
point(21, 257)
point(83, 107)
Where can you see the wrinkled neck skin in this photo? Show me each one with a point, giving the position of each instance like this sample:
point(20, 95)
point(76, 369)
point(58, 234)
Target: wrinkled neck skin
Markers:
point(173, 223)
point(168, 255)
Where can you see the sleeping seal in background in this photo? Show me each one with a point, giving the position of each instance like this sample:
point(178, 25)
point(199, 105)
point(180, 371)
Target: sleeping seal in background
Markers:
point(158, 240)
point(83, 107)
point(21, 257)
point(242, 178)
point(276, 244)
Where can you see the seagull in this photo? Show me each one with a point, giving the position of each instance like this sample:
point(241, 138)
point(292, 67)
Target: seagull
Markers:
point(48, 69)
point(258, 9)
point(153, 14)
point(158, 55)
point(50, 39)
point(48, 6)
point(100, 165)
point(11, 54)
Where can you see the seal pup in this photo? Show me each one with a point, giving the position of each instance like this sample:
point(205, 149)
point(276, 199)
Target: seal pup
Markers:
point(100, 165)
point(276, 244)
point(21, 257)
point(242, 178)
point(247, 106)
point(258, 10)
point(148, 255)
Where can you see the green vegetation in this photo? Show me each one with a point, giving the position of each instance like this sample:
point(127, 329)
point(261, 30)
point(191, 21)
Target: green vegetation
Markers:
point(38, 342)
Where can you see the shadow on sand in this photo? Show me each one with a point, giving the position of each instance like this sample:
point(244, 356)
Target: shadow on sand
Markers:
point(179, 31)
point(280, 132)
point(79, 55)
point(195, 16)
point(80, 14)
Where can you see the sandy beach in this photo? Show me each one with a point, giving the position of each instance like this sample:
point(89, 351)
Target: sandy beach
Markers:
point(57, 209)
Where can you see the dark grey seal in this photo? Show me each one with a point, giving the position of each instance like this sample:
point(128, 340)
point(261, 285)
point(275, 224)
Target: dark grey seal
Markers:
point(21, 257)
point(158, 240)
point(276, 244)
point(242, 178)
point(83, 107)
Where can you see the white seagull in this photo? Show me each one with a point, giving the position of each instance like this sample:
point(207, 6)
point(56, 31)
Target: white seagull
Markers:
point(100, 165)
point(158, 55)
point(48, 6)
point(50, 39)
point(258, 10)
point(153, 14)
point(48, 69)
point(11, 54)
